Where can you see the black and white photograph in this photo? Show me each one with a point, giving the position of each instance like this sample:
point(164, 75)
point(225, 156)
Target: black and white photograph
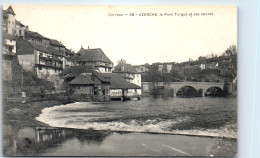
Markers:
point(119, 80)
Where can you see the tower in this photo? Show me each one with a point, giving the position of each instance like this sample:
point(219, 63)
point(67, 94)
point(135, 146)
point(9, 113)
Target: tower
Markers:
point(9, 21)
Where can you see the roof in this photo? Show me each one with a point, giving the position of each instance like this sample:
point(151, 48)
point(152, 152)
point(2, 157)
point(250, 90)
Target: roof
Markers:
point(211, 63)
point(19, 23)
point(37, 46)
point(35, 35)
point(124, 67)
point(23, 47)
point(76, 70)
point(91, 55)
point(84, 79)
point(44, 48)
point(56, 43)
point(68, 51)
point(9, 10)
point(71, 75)
point(118, 82)
point(100, 76)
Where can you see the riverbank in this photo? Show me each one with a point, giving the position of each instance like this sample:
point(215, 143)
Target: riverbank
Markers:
point(23, 114)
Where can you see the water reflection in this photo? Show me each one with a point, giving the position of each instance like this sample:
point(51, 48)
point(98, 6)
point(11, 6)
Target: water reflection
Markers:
point(29, 141)
point(47, 141)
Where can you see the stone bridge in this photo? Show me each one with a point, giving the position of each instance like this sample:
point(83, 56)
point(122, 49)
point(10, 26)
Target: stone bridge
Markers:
point(147, 86)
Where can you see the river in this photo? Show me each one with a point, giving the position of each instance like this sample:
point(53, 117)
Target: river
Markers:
point(149, 127)
point(195, 116)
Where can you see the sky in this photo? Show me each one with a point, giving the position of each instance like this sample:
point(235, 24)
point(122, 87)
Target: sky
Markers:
point(137, 39)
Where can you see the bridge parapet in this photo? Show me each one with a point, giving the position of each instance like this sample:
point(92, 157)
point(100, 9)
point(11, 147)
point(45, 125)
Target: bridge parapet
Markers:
point(147, 86)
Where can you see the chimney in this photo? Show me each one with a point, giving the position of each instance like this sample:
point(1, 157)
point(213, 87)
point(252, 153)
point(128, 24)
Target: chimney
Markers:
point(27, 28)
point(88, 47)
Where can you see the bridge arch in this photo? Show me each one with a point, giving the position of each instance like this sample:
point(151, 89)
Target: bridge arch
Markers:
point(201, 87)
point(214, 91)
point(186, 91)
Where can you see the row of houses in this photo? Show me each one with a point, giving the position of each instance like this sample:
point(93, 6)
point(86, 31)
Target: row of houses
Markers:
point(44, 56)
point(226, 64)
point(87, 72)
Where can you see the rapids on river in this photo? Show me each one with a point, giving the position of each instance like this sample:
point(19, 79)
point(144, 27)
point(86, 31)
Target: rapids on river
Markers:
point(189, 116)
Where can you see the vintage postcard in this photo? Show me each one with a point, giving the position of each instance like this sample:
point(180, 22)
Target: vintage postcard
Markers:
point(83, 80)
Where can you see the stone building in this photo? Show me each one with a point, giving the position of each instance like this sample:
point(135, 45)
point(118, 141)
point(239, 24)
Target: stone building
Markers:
point(20, 29)
point(43, 56)
point(165, 67)
point(90, 84)
point(44, 60)
point(61, 49)
point(8, 53)
point(9, 22)
point(87, 80)
point(36, 37)
point(141, 68)
point(95, 57)
point(11, 25)
point(8, 44)
point(70, 73)
point(128, 72)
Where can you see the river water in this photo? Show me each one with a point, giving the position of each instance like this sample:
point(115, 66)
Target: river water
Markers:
point(148, 127)
point(193, 116)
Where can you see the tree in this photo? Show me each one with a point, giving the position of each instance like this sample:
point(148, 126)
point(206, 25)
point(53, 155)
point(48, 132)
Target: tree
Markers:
point(202, 58)
point(232, 50)
point(152, 75)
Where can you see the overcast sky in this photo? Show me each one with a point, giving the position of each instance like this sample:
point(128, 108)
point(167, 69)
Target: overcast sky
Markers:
point(137, 39)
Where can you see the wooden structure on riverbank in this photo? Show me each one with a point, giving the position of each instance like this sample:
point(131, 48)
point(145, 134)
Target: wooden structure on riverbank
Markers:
point(87, 81)
point(120, 89)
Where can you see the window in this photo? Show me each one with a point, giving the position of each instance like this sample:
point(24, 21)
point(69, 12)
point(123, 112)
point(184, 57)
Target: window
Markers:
point(92, 78)
point(11, 48)
point(40, 68)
